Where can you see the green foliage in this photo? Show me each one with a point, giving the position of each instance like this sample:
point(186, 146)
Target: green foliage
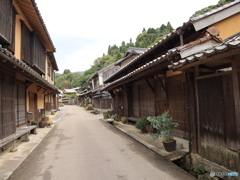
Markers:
point(34, 123)
point(141, 124)
point(67, 81)
point(209, 8)
point(124, 119)
point(107, 114)
point(200, 170)
point(52, 113)
point(115, 117)
point(66, 71)
point(151, 36)
point(164, 126)
point(71, 96)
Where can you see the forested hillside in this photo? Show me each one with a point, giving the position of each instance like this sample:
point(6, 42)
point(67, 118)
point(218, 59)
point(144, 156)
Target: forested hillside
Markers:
point(144, 40)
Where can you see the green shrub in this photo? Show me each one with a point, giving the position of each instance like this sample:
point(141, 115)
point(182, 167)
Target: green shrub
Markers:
point(34, 123)
point(123, 119)
point(141, 124)
point(200, 170)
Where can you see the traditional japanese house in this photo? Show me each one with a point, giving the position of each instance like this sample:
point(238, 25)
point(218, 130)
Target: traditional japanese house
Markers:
point(146, 87)
point(201, 90)
point(213, 86)
point(27, 65)
point(102, 99)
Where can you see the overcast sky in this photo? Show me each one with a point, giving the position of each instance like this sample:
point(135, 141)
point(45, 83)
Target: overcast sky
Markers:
point(82, 30)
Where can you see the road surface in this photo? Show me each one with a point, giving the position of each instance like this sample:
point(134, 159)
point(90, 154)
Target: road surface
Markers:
point(82, 147)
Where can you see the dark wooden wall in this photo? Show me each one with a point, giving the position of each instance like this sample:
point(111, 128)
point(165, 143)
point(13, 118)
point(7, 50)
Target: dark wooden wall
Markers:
point(143, 99)
point(7, 115)
point(38, 52)
point(6, 21)
point(217, 119)
point(118, 102)
point(25, 43)
point(160, 96)
point(216, 111)
point(176, 95)
point(102, 103)
point(20, 104)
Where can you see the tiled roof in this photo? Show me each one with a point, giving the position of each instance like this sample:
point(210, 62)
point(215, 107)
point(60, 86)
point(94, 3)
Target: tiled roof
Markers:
point(232, 43)
point(136, 50)
point(152, 63)
point(161, 42)
point(155, 46)
point(8, 56)
point(214, 11)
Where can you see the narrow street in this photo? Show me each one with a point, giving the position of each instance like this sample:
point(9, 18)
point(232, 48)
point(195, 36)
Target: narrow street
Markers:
point(82, 147)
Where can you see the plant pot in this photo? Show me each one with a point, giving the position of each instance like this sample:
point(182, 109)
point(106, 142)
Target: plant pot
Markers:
point(143, 130)
point(150, 129)
point(170, 146)
point(124, 122)
point(42, 124)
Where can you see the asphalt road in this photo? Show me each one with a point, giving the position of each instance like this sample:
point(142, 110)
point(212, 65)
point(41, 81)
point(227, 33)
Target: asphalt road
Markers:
point(82, 147)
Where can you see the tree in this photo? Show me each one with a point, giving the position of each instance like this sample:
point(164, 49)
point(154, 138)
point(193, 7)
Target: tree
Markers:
point(169, 27)
point(66, 71)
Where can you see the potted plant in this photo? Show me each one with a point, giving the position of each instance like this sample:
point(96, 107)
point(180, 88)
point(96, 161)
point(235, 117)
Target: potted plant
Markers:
point(43, 122)
point(106, 115)
point(89, 107)
point(115, 117)
point(164, 126)
point(124, 120)
point(142, 124)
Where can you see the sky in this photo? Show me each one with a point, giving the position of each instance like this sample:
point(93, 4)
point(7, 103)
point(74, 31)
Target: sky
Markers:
point(82, 30)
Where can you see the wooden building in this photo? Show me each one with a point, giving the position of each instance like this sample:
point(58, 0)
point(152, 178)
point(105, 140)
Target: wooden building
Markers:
point(102, 99)
point(27, 65)
point(201, 90)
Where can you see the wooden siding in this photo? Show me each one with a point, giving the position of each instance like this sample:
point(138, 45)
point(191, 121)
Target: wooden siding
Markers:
point(7, 118)
point(6, 21)
point(135, 99)
point(118, 102)
point(38, 53)
point(102, 103)
point(143, 99)
point(146, 101)
point(20, 104)
point(217, 119)
point(160, 97)
point(177, 103)
point(25, 43)
point(216, 112)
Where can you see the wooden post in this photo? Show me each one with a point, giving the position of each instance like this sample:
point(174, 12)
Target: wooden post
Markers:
point(197, 124)
point(235, 80)
point(125, 101)
point(191, 111)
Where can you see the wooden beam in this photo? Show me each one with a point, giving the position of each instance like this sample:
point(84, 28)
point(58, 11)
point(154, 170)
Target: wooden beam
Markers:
point(236, 96)
point(162, 84)
point(213, 75)
point(44, 91)
point(223, 57)
point(150, 86)
point(38, 88)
